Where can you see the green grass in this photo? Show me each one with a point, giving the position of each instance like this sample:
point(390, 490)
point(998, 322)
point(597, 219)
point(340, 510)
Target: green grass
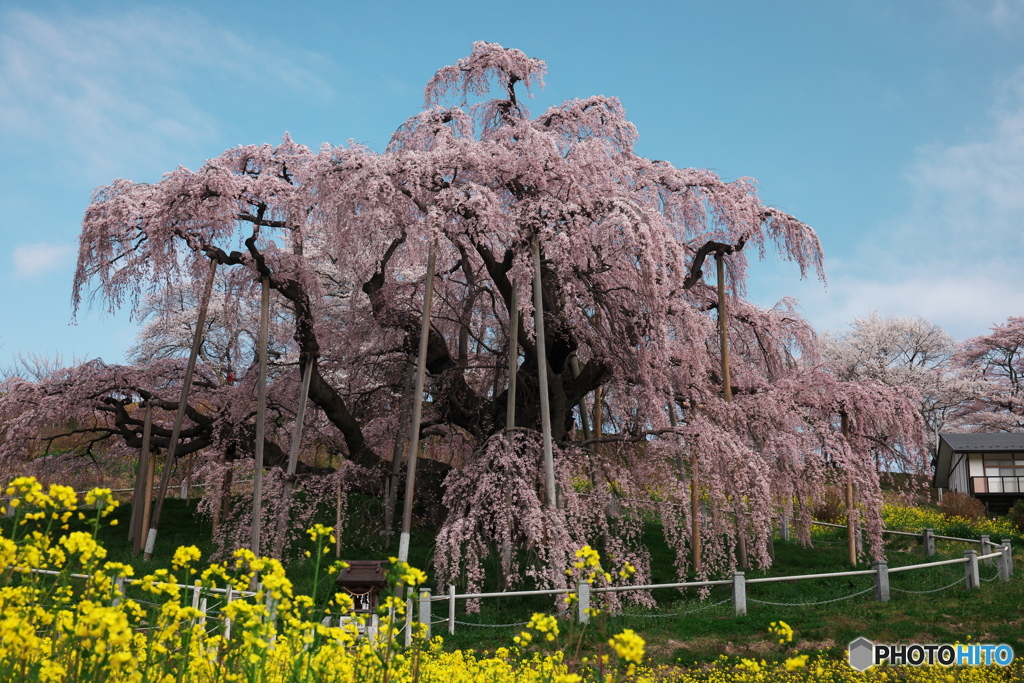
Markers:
point(691, 631)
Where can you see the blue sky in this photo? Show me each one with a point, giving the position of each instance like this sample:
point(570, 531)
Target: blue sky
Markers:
point(895, 129)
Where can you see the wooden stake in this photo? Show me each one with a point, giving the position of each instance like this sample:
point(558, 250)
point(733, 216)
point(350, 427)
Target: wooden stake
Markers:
point(417, 409)
point(293, 458)
point(542, 376)
point(261, 417)
point(197, 340)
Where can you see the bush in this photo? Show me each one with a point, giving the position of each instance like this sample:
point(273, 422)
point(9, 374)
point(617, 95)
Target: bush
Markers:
point(1016, 515)
point(955, 504)
point(832, 506)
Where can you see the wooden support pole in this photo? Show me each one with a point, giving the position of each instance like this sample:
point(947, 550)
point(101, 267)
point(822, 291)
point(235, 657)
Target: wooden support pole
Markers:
point(695, 513)
point(851, 510)
point(179, 418)
point(261, 417)
point(723, 339)
point(417, 409)
point(140, 499)
point(542, 376)
point(293, 458)
point(574, 363)
point(723, 329)
point(513, 358)
point(147, 507)
point(396, 452)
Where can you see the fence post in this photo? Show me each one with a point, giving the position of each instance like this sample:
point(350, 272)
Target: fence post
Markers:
point(1008, 558)
point(451, 609)
point(971, 570)
point(118, 592)
point(408, 616)
point(986, 548)
point(227, 621)
point(583, 602)
point(784, 527)
point(881, 581)
point(425, 616)
point(929, 543)
point(739, 594)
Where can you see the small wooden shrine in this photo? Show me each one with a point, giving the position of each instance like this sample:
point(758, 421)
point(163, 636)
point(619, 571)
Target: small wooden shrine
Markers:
point(363, 580)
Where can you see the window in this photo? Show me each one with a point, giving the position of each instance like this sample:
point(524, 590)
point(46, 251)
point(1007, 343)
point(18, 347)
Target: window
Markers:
point(1004, 473)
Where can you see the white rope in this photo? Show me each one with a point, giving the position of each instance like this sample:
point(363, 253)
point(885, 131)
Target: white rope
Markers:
point(671, 614)
point(934, 590)
point(469, 623)
point(807, 604)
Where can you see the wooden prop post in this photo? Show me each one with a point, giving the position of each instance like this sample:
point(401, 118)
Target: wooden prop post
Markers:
point(542, 377)
point(293, 458)
point(510, 407)
point(723, 338)
point(396, 452)
point(139, 497)
point(851, 512)
point(513, 358)
point(261, 417)
point(417, 409)
point(197, 340)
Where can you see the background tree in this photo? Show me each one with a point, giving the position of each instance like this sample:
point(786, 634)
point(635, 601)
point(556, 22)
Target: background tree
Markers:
point(995, 362)
point(903, 352)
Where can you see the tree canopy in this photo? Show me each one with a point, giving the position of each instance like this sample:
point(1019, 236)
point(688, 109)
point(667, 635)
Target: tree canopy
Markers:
point(629, 294)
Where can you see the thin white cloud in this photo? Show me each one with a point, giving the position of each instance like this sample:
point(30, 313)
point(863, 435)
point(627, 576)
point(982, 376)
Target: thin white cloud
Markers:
point(32, 260)
point(104, 91)
point(956, 256)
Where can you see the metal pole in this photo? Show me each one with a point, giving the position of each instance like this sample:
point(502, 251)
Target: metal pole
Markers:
point(542, 376)
point(417, 409)
point(261, 417)
point(197, 340)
